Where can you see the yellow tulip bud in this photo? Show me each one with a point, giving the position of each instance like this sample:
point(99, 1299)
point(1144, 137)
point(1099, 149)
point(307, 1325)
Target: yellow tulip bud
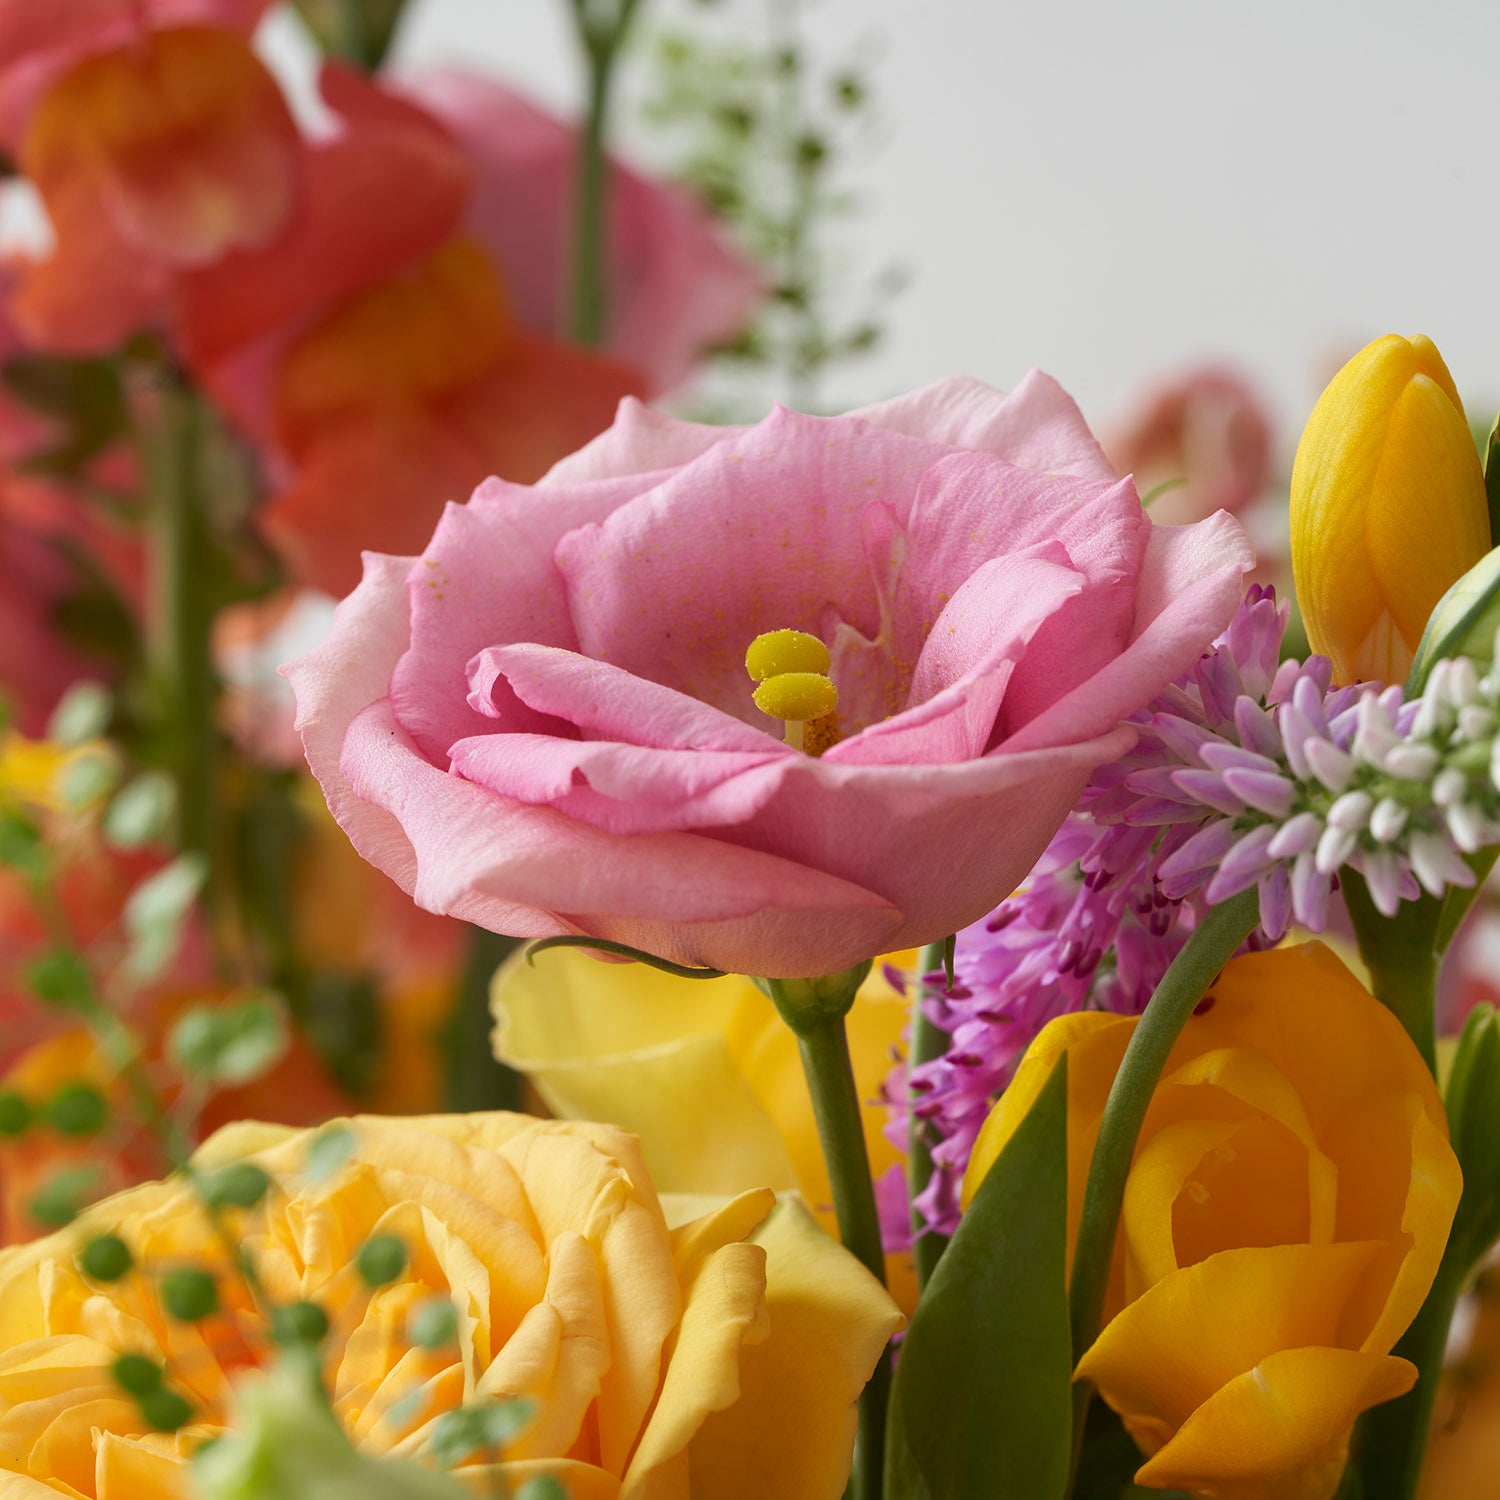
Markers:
point(1388, 507)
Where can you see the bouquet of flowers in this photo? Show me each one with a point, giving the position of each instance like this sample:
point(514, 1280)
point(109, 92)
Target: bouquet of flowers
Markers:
point(846, 955)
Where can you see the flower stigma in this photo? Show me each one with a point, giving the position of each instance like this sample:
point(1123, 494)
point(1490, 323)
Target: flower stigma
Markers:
point(791, 667)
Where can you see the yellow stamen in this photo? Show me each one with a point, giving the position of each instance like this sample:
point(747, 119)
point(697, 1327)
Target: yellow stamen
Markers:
point(791, 668)
point(797, 695)
point(781, 651)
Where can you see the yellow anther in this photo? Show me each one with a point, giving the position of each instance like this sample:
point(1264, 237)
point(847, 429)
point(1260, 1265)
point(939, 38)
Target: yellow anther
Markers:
point(797, 696)
point(780, 652)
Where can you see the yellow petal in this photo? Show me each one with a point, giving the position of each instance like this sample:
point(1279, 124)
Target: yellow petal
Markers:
point(1280, 1431)
point(703, 1071)
point(1387, 506)
point(723, 1282)
point(1202, 1327)
point(791, 1433)
point(1095, 1042)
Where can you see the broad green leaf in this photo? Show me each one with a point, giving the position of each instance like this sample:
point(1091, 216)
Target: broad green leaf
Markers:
point(981, 1403)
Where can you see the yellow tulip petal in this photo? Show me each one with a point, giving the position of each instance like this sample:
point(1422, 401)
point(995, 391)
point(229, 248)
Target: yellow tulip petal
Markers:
point(1280, 1431)
point(791, 1434)
point(1387, 506)
point(1095, 1042)
point(1161, 1170)
point(1429, 519)
point(1203, 1326)
point(1412, 1212)
point(701, 1126)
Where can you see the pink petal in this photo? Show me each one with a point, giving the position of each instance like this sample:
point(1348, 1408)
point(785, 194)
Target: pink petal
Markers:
point(518, 869)
point(967, 662)
point(623, 788)
point(607, 703)
point(1036, 426)
point(1190, 585)
point(487, 578)
point(764, 554)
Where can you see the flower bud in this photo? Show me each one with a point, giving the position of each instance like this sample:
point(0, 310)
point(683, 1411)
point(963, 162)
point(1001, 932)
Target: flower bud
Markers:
point(1388, 507)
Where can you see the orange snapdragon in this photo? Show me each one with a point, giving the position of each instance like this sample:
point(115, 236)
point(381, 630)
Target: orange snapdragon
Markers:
point(157, 140)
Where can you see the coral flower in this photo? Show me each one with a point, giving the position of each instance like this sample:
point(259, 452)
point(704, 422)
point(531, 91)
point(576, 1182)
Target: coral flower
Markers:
point(158, 142)
point(668, 1350)
point(675, 288)
point(543, 724)
point(374, 350)
point(1284, 1217)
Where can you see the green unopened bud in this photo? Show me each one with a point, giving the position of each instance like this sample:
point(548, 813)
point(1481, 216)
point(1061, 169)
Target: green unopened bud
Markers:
point(15, 1114)
point(137, 1374)
point(106, 1258)
point(77, 1109)
point(381, 1259)
point(1473, 1102)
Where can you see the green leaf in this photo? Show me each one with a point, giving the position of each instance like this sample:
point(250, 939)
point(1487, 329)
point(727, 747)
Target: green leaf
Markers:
point(82, 715)
point(141, 811)
point(156, 912)
point(487, 1427)
point(229, 1045)
point(982, 1403)
point(328, 1150)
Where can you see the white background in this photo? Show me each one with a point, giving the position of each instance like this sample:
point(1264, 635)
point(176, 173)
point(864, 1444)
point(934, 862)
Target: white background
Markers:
point(1109, 189)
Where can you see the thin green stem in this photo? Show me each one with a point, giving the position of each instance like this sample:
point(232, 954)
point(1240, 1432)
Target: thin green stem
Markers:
point(1392, 1439)
point(181, 661)
point(1401, 953)
point(474, 1080)
point(830, 1079)
point(928, 1042)
point(600, 39)
point(1182, 988)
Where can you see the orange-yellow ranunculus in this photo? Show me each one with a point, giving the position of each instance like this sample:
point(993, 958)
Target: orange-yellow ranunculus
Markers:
point(1284, 1217)
point(719, 1357)
point(703, 1070)
point(1388, 507)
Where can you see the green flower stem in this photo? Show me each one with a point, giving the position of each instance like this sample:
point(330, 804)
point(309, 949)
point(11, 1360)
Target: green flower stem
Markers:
point(1401, 953)
point(1183, 986)
point(181, 663)
point(928, 1042)
point(1392, 1438)
point(473, 1079)
point(815, 1011)
point(601, 38)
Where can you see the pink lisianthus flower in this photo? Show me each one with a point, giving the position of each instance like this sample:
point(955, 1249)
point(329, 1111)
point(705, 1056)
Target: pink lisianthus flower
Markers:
point(676, 289)
point(543, 724)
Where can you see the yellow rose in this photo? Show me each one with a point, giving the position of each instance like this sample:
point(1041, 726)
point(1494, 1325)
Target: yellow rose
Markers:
point(1284, 1217)
point(703, 1070)
point(719, 1357)
point(1388, 507)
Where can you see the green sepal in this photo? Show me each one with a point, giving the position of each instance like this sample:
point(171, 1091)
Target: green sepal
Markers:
point(1463, 624)
point(981, 1403)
